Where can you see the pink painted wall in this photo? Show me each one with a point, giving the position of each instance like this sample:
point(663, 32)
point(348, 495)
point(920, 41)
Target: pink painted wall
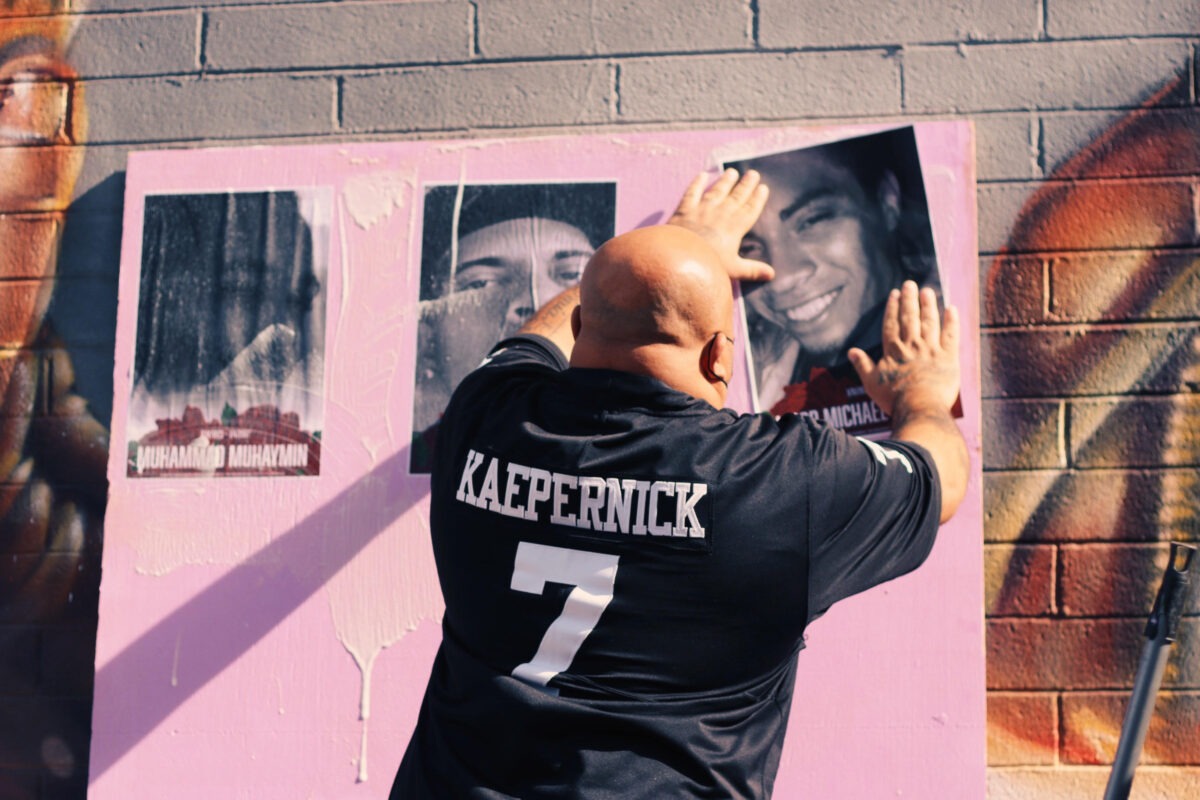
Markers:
point(271, 637)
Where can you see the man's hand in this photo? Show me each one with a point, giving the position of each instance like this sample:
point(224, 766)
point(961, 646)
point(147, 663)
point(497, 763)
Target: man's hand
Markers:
point(723, 215)
point(919, 367)
point(916, 382)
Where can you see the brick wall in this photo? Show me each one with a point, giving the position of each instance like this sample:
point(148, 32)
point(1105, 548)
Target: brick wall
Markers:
point(1088, 160)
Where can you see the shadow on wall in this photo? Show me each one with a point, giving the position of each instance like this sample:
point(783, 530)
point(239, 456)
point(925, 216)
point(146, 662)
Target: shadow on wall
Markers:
point(83, 310)
point(1096, 297)
point(336, 530)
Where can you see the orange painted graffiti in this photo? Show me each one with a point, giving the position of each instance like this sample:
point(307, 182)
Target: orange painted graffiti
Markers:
point(1111, 239)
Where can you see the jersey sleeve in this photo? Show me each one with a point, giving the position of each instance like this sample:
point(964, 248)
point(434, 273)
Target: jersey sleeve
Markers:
point(520, 355)
point(526, 348)
point(874, 515)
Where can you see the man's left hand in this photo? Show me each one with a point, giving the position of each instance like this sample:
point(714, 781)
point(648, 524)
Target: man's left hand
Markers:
point(723, 214)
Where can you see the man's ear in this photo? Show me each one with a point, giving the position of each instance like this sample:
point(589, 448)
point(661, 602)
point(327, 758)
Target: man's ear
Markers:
point(888, 196)
point(718, 359)
point(575, 322)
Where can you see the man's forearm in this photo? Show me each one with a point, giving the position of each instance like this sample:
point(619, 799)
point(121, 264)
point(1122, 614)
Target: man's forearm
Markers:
point(553, 320)
point(935, 430)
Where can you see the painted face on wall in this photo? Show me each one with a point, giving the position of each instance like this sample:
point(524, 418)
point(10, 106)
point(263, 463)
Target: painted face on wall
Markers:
point(827, 238)
point(528, 260)
point(41, 115)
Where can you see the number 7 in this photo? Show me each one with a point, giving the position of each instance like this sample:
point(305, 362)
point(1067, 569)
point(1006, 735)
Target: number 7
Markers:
point(591, 574)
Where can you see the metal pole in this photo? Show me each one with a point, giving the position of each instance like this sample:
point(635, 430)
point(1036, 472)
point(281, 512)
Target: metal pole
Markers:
point(1161, 630)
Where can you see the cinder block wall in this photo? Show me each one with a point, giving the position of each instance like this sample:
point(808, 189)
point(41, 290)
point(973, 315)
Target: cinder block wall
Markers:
point(1088, 161)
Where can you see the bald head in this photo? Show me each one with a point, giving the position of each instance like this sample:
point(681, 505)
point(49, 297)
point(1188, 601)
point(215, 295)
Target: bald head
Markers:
point(650, 302)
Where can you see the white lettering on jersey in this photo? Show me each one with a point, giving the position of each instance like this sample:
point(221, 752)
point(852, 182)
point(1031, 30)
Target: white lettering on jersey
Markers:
point(620, 499)
point(591, 500)
point(489, 492)
point(658, 489)
point(539, 491)
point(587, 502)
point(561, 484)
point(466, 491)
point(592, 577)
point(639, 520)
point(885, 454)
point(514, 471)
point(685, 507)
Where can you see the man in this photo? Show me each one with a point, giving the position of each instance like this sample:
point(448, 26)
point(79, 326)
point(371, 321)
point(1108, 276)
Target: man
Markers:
point(841, 230)
point(628, 570)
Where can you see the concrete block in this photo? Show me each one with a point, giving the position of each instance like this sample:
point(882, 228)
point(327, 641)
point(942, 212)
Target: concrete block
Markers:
point(28, 244)
point(67, 657)
point(1114, 580)
point(1129, 286)
point(1087, 215)
point(999, 206)
point(1054, 506)
point(49, 588)
point(36, 176)
point(1040, 75)
point(22, 305)
point(87, 304)
point(22, 780)
point(1013, 291)
point(453, 98)
point(1018, 580)
point(91, 246)
point(29, 724)
point(101, 182)
point(1082, 654)
point(1018, 505)
point(1073, 19)
point(93, 376)
point(20, 659)
point(1092, 728)
point(1023, 434)
point(1143, 432)
point(1022, 728)
point(35, 110)
point(541, 28)
point(1006, 147)
point(1140, 143)
point(1088, 783)
point(136, 44)
point(18, 374)
point(144, 5)
point(164, 109)
point(797, 85)
point(338, 35)
point(1076, 360)
point(815, 23)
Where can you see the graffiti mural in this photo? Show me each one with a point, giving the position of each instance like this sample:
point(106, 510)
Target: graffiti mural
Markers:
point(1094, 364)
point(52, 451)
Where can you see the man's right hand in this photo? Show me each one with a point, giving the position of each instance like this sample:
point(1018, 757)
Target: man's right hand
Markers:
point(723, 214)
point(916, 382)
point(919, 366)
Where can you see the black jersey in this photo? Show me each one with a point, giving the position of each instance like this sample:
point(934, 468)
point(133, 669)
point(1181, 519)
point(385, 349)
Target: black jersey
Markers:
point(628, 573)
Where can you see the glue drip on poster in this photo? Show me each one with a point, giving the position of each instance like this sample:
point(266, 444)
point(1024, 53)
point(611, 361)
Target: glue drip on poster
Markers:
point(364, 620)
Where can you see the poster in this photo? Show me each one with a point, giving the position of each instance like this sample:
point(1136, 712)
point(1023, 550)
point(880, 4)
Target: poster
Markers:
point(228, 368)
point(267, 631)
point(491, 254)
point(846, 222)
